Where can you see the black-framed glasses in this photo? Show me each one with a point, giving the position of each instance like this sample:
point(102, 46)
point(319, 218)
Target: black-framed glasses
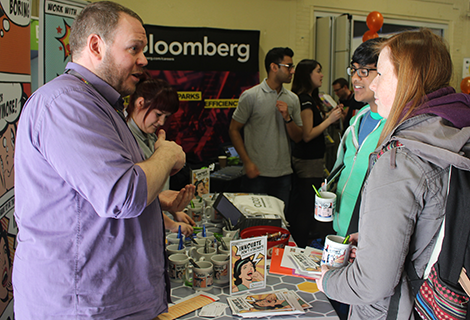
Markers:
point(361, 72)
point(288, 66)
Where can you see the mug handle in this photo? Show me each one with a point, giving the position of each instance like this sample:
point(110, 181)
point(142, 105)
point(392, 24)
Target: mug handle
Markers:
point(188, 281)
point(191, 252)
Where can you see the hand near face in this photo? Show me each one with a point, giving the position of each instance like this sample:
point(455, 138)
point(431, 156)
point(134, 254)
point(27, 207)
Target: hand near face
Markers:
point(257, 276)
point(172, 151)
point(283, 109)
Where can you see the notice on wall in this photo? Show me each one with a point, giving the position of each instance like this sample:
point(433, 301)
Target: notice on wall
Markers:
point(56, 18)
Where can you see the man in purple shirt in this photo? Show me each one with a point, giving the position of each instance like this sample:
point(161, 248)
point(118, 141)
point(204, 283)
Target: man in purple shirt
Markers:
point(91, 235)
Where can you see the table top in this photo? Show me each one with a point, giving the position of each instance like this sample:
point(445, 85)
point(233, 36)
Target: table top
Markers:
point(321, 307)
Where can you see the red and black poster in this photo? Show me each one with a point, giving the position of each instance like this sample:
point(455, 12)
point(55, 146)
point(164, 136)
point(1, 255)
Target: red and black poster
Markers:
point(209, 68)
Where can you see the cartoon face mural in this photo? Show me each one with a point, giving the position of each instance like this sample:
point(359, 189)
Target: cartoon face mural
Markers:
point(6, 287)
point(7, 153)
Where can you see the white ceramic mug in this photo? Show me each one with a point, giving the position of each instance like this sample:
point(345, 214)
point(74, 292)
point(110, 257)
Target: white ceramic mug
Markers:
point(209, 235)
point(214, 229)
point(335, 253)
point(173, 248)
point(229, 233)
point(199, 254)
point(178, 267)
point(209, 202)
point(221, 268)
point(203, 277)
point(200, 242)
point(221, 250)
point(325, 206)
point(196, 212)
point(227, 242)
point(172, 238)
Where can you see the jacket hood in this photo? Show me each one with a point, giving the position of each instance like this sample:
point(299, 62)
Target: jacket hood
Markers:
point(445, 103)
point(439, 131)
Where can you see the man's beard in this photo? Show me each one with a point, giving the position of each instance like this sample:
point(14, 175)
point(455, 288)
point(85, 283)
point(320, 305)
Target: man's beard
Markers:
point(109, 72)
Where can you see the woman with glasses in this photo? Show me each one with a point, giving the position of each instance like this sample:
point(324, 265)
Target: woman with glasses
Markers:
point(308, 154)
point(404, 195)
point(153, 101)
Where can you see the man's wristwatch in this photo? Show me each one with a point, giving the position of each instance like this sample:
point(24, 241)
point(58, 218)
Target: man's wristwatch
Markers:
point(288, 121)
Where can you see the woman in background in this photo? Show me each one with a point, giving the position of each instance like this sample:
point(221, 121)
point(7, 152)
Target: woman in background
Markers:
point(308, 155)
point(153, 101)
point(404, 196)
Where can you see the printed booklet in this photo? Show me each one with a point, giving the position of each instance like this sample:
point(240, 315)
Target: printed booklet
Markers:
point(201, 179)
point(272, 303)
point(276, 268)
point(248, 264)
point(304, 261)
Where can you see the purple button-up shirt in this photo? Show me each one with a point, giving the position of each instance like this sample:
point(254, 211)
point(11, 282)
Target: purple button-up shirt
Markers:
point(88, 244)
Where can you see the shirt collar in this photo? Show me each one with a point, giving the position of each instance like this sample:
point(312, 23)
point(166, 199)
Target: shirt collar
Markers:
point(107, 91)
point(267, 88)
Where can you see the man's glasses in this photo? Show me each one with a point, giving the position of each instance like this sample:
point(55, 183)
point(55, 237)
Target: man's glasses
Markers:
point(288, 66)
point(361, 72)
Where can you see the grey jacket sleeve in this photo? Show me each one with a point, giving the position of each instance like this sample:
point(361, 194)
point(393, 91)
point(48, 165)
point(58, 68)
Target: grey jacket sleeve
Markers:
point(391, 201)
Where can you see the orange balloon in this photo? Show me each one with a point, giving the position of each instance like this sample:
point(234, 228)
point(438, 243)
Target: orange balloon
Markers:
point(465, 85)
point(369, 34)
point(375, 21)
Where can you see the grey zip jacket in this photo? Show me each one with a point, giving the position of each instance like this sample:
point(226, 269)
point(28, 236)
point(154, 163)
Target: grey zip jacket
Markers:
point(403, 203)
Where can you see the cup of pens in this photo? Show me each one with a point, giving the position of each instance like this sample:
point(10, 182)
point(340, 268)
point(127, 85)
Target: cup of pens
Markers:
point(178, 267)
point(336, 251)
point(221, 268)
point(196, 210)
point(325, 204)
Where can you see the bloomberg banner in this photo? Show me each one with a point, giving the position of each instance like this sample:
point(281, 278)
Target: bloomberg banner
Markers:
point(201, 49)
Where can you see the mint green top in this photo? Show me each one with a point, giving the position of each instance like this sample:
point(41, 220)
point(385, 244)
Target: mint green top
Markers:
point(356, 161)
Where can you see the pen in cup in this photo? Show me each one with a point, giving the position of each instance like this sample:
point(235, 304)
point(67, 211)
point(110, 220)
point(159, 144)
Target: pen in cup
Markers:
point(316, 191)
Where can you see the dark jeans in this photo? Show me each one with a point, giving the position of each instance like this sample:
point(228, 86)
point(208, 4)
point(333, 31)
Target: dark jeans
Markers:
point(278, 187)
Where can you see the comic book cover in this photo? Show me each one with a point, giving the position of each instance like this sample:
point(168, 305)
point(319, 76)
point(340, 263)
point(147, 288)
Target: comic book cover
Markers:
point(248, 264)
point(201, 179)
point(266, 304)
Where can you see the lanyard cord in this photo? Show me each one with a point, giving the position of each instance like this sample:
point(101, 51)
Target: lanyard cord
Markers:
point(79, 76)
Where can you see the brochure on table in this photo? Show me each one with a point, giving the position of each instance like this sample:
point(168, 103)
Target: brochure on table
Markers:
point(276, 268)
point(248, 264)
point(272, 303)
point(305, 262)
